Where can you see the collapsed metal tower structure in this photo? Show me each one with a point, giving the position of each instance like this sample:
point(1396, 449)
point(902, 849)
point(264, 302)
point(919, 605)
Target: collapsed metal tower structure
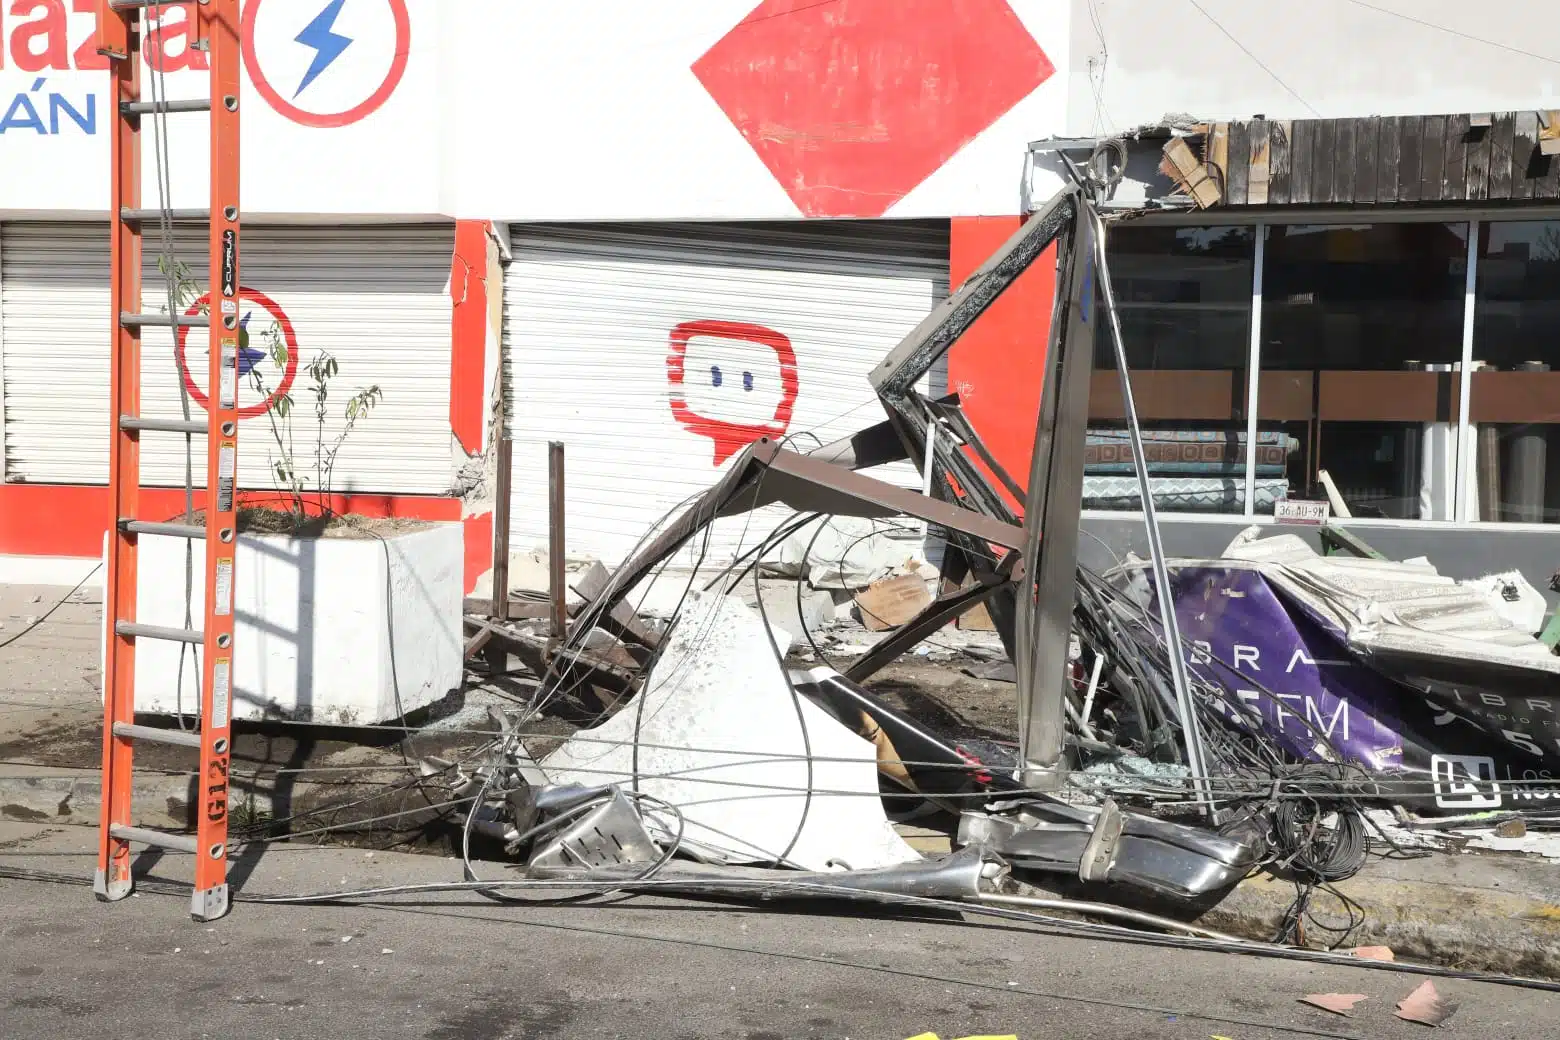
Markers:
point(1022, 568)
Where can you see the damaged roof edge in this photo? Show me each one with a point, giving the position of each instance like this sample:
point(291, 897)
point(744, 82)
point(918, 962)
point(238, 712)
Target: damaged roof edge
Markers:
point(1483, 157)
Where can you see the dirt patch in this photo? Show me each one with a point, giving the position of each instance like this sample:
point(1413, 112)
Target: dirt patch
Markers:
point(944, 699)
point(256, 745)
point(264, 520)
point(22, 813)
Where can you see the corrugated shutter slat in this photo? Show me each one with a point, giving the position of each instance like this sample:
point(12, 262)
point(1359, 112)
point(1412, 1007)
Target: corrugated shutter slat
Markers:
point(589, 310)
point(376, 297)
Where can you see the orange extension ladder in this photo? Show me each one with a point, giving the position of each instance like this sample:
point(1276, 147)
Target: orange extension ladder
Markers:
point(121, 31)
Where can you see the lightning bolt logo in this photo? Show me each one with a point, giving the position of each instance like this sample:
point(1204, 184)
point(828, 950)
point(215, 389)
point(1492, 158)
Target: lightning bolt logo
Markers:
point(327, 44)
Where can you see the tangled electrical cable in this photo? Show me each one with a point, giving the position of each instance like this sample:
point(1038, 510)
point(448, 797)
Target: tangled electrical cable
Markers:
point(1318, 844)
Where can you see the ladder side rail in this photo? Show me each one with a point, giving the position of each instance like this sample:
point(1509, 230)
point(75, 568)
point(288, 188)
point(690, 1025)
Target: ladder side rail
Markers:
point(220, 20)
point(121, 41)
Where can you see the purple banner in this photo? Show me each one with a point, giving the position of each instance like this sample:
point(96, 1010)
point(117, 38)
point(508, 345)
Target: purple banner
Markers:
point(1284, 671)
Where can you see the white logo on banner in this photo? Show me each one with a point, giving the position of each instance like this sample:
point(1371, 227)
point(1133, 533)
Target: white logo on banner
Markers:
point(1458, 780)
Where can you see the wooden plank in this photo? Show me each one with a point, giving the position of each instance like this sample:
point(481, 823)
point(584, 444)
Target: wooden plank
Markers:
point(1524, 155)
point(1411, 146)
point(1388, 139)
point(1500, 137)
point(520, 607)
point(501, 502)
point(1546, 163)
point(1480, 145)
point(1302, 138)
point(1239, 172)
point(1549, 132)
point(1278, 162)
point(1366, 139)
point(1190, 171)
point(1547, 186)
point(1322, 159)
point(1342, 187)
point(1219, 151)
point(622, 620)
point(891, 602)
point(1454, 168)
point(477, 642)
point(1432, 158)
point(1257, 178)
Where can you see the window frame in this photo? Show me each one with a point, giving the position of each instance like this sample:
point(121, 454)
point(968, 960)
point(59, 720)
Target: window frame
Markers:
point(1473, 218)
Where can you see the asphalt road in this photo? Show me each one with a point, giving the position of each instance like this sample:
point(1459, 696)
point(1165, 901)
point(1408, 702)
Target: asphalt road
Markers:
point(463, 968)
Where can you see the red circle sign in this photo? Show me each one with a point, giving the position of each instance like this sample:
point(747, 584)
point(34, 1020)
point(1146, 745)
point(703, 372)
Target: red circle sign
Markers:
point(288, 336)
point(403, 48)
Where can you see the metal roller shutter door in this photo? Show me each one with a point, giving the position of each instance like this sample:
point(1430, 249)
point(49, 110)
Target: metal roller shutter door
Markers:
point(589, 317)
point(376, 297)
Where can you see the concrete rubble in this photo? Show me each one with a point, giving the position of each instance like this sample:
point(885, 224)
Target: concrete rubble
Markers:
point(719, 685)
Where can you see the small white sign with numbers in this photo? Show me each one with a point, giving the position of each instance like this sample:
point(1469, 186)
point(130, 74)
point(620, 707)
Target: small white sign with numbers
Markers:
point(1298, 511)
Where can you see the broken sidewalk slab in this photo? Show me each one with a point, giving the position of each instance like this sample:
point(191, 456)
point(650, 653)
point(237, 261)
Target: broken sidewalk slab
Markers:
point(760, 773)
point(1107, 845)
point(780, 610)
point(844, 552)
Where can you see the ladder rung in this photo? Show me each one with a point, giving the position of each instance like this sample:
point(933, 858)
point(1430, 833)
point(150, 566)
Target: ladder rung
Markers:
point(153, 216)
point(183, 738)
point(174, 635)
point(159, 839)
point(153, 527)
point(187, 321)
point(141, 108)
point(135, 422)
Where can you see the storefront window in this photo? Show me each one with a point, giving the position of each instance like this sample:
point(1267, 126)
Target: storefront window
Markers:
point(1184, 299)
point(1362, 332)
point(1514, 404)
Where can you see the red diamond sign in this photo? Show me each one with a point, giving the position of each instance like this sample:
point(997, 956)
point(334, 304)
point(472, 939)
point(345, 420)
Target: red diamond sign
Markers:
point(852, 103)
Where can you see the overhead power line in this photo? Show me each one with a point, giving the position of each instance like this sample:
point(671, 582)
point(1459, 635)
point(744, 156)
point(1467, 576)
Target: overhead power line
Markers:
point(1260, 63)
point(1454, 32)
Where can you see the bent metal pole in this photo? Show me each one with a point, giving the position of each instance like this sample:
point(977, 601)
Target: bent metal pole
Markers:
point(1178, 676)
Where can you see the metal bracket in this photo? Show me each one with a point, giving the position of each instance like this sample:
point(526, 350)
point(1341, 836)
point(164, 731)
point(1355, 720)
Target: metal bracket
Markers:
point(1099, 854)
point(609, 836)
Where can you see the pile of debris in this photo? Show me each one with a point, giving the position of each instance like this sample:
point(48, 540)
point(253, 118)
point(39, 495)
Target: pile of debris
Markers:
point(1168, 745)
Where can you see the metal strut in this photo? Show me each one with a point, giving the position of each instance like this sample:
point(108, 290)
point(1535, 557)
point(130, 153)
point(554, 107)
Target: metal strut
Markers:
point(122, 28)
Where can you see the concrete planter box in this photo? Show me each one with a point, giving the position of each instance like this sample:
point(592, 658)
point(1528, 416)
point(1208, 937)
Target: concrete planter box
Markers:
point(333, 630)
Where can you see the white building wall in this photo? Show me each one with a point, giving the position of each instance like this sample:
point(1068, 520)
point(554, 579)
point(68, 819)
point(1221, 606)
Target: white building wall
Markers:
point(630, 132)
point(592, 110)
point(1134, 61)
point(387, 162)
point(735, 109)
